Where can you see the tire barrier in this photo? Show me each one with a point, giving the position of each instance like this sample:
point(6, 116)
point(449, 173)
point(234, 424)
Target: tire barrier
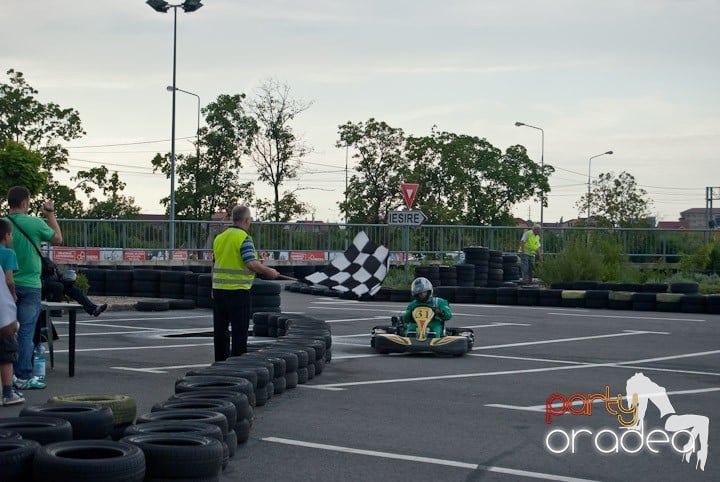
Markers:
point(123, 407)
point(43, 430)
point(88, 420)
point(572, 299)
point(179, 456)
point(85, 460)
point(215, 405)
point(16, 458)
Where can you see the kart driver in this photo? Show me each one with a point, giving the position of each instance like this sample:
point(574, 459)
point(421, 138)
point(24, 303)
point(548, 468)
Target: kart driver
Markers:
point(422, 293)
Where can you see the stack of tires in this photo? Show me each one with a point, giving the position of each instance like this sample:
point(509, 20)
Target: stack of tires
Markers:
point(190, 287)
point(145, 283)
point(511, 267)
point(495, 268)
point(96, 280)
point(203, 296)
point(478, 256)
point(432, 273)
point(265, 296)
point(465, 274)
point(448, 276)
point(118, 282)
point(172, 284)
point(68, 440)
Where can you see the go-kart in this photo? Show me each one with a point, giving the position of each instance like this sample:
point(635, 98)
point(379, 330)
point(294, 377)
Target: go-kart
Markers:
point(417, 337)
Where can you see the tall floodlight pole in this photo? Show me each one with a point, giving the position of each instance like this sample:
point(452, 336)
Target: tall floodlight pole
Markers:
point(542, 165)
point(589, 165)
point(162, 6)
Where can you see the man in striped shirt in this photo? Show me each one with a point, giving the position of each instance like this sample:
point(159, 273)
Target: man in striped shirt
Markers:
point(236, 264)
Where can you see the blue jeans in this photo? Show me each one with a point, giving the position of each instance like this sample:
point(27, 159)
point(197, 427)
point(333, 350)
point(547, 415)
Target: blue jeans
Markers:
point(527, 267)
point(28, 310)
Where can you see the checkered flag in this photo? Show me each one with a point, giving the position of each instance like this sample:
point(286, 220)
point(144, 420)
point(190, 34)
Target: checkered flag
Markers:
point(361, 269)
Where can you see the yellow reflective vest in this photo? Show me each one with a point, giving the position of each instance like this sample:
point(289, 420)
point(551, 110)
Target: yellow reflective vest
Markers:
point(229, 270)
point(532, 244)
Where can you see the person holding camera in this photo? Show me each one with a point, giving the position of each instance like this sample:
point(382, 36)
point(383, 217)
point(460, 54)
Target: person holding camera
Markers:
point(30, 232)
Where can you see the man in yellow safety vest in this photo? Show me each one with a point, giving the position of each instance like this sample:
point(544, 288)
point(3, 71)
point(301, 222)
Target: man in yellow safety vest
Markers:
point(529, 249)
point(234, 269)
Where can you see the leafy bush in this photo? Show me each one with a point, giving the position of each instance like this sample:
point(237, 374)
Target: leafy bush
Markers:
point(588, 257)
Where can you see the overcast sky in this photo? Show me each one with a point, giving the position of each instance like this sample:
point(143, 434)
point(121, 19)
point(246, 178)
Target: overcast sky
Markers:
point(640, 78)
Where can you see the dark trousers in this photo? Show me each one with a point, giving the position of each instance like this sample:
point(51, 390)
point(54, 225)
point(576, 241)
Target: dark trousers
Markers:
point(231, 309)
point(55, 290)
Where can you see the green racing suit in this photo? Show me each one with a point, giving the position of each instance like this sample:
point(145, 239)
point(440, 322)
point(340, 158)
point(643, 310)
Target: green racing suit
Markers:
point(440, 306)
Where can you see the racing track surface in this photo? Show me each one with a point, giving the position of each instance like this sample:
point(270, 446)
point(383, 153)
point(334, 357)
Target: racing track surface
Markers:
point(421, 418)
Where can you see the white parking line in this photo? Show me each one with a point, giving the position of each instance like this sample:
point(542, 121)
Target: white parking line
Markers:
point(160, 369)
point(340, 386)
point(425, 460)
point(541, 408)
point(653, 318)
point(617, 365)
point(579, 338)
point(121, 348)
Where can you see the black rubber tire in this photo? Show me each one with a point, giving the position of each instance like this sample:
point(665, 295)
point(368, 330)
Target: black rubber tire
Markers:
point(124, 407)
point(178, 414)
point(89, 461)
point(291, 359)
point(261, 287)
point(222, 371)
point(291, 380)
point(688, 287)
point(302, 375)
point(221, 406)
point(241, 385)
point(262, 394)
point(176, 426)
point(261, 372)
point(279, 385)
point(243, 409)
point(178, 304)
point(88, 420)
point(16, 459)
point(43, 430)
point(179, 456)
point(231, 441)
point(152, 305)
point(242, 431)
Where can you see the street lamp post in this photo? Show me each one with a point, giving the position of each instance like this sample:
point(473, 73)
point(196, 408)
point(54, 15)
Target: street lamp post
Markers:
point(162, 6)
point(542, 164)
point(589, 165)
point(170, 88)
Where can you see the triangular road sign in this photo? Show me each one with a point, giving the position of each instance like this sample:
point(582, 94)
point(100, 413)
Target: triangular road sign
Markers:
point(409, 191)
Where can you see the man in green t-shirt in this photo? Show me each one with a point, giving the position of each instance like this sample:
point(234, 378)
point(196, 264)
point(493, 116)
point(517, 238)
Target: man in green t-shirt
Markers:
point(29, 232)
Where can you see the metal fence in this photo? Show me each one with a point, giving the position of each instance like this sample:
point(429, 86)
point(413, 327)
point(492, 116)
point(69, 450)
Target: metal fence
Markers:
point(128, 239)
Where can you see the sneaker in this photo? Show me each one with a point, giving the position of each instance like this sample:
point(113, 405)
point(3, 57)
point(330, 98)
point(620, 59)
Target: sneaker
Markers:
point(15, 399)
point(29, 384)
point(100, 309)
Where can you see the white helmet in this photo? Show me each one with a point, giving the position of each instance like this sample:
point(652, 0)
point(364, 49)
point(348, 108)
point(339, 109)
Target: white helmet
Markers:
point(420, 285)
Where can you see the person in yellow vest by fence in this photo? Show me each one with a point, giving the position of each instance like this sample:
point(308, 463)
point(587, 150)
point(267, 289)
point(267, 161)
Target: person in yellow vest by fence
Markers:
point(530, 248)
point(235, 265)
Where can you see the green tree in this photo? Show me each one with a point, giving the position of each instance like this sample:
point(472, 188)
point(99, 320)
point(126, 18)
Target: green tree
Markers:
point(115, 205)
point(212, 183)
point(20, 167)
point(40, 127)
point(276, 150)
point(381, 166)
point(617, 201)
point(466, 180)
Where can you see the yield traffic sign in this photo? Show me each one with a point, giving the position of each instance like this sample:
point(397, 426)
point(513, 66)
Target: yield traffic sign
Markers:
point(409, 191)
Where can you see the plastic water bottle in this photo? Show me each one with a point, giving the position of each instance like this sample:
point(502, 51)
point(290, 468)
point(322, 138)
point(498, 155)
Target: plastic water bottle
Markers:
point(39, 362)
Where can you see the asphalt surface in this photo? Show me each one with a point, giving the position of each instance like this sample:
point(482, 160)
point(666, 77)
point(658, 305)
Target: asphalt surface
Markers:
point(421, 418)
